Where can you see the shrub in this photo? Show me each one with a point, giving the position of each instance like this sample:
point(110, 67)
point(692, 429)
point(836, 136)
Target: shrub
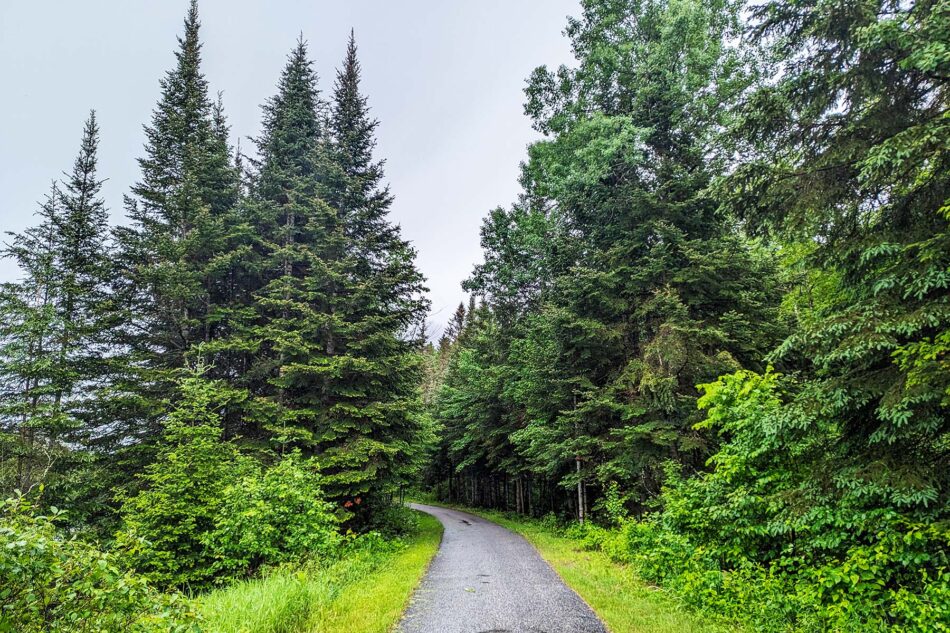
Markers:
point(53, 584)
point(273, 516)
point(393, 520)
point(900, 582)
point(166, 525)
point(208, 514)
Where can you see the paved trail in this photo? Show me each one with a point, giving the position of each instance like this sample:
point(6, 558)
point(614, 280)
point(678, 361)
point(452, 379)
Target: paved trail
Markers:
point(487, 579)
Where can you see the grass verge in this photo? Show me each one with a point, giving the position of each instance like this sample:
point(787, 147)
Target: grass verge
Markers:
point(624, 602)
point(364, 592)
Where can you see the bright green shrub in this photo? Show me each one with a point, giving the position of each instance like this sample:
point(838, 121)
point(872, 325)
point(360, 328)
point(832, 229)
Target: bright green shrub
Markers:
point(900, 582)
point(208, 514)
point(273, 516)
point(766, 540)
point(166, 525)
point(587, 533)
point(844, 546)
point(53, 584)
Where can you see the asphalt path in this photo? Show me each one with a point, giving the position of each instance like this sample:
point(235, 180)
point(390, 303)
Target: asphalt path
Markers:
point(487, 579)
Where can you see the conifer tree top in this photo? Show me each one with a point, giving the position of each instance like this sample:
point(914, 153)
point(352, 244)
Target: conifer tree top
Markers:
point(188, 56)
point(353, 127)
point(81, 182)
point(291, 124)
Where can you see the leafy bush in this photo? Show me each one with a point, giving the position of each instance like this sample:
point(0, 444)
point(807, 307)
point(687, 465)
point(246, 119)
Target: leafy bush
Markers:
point(393, 521)
point(208, 514)
point(50, 584)
point(166, 525)
point(765, 540)
point(901, 582)
point(759, 540)
point(271, 517)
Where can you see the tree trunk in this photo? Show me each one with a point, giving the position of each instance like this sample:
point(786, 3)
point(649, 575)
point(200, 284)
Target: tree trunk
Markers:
point(580, 491)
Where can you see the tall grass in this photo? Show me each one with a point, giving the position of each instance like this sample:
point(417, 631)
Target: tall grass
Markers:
point(283, 602)
point(365, 591)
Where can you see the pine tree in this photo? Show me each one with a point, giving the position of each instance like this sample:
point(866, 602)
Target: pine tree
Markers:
point(454, 327)
point(334, 372)
point(86, 271)
point(296, 243)
point(166, 525)
point(844, 164)
point(29, 331)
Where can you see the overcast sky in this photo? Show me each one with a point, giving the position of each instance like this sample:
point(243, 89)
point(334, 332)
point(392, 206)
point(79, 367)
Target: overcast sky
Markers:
point(444, 78)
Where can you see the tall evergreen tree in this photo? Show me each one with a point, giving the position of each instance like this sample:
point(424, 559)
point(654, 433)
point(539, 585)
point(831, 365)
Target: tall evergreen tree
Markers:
point(175, 255)
point(334, 370)
point(376, 419)
point(54, 319)
point(31, 327)
point(845, 153)
point(357, 191)
point(298, 248)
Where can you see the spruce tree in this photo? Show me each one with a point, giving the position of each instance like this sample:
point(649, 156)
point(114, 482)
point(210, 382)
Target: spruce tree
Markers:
point(51, 360)
point(617, 285)
point(29, 331)
point(176, 269)
point(86, 272)
point(334, 371)
point(844, 164)
point(375, 416)
point(296, 243)
point(454, 327)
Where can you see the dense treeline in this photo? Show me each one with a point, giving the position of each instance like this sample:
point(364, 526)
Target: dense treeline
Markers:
point(718, 318)
point(224, 381)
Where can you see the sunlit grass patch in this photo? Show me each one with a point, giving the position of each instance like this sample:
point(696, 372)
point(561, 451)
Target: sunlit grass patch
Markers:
point(365, 592)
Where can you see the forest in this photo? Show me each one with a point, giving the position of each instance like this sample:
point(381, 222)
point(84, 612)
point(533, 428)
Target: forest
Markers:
point(710, 340)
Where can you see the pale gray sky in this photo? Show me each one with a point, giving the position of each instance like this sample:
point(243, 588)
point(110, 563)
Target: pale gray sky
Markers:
point(444, 78)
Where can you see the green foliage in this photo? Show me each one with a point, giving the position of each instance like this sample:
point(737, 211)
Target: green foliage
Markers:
point(166, 526)
point(178, 286)
point(394, 521)
point(754, 540)
point(873, 206)
point(208, 513)
point(286, 281)
point(364, 589)
point(52, 583)
point(282, 601)
point(332, 349)
point(613, 286)
point(52, 331)
point(273, 517)
point(753, 200)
